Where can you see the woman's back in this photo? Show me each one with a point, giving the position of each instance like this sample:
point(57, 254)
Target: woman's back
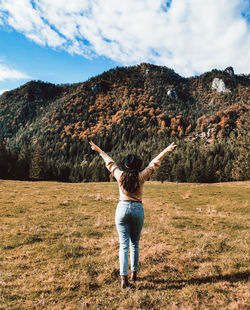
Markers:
point(143, 175)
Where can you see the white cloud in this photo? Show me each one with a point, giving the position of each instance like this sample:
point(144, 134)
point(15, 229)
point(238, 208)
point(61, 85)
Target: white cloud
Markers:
point(2, 91)
point(7, 73)
point(189, 36)
point(21, 15)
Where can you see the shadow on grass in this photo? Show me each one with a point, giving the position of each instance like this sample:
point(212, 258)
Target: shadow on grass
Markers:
point(179, 284)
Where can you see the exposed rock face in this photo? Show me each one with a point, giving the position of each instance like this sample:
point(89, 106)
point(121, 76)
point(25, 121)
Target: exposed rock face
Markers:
point(172, 93)
point(102, 86)
point(204, 135)
point(229, 70)
point(219, 86)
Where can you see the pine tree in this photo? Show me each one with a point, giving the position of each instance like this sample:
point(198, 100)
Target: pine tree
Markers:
point(197, 172)
point(241, 164)
point(23, 163)
point(209, 171)
point(4, 161)
point(37, 165)
point(180, 172)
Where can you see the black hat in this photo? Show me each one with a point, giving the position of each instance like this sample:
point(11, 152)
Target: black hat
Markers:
point(132, 163)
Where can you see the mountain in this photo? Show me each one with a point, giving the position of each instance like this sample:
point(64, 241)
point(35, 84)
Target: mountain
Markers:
point(137, 109)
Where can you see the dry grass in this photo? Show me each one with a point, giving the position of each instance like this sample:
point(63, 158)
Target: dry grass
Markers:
point(59, 247)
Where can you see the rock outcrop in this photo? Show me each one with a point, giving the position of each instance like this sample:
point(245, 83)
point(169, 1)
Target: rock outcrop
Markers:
point(229, 70)
point(219, 86)
point(172, 93)
point(102, 86)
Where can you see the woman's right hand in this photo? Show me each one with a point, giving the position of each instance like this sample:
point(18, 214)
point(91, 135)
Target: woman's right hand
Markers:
point(171, 147)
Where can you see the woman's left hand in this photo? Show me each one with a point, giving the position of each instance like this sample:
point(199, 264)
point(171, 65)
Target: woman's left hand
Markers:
point(94, 147)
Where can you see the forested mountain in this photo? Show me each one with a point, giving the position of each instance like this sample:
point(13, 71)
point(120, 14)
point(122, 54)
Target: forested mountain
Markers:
point(45, 128)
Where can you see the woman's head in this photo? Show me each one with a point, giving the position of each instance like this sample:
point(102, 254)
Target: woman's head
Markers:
point(131, 165)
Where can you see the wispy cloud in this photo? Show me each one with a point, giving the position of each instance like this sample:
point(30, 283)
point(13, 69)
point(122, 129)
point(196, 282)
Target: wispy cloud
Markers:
point(2, 91)
point(187, 35)
point(7, 73)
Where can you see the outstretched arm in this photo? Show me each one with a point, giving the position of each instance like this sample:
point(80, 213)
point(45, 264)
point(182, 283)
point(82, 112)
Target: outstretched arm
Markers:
point(94, 147)
point(155, 163)
point(168, 149)
point(110, 164)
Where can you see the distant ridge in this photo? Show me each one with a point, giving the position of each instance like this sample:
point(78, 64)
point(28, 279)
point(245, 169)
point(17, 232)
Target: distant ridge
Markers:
point(122, 105)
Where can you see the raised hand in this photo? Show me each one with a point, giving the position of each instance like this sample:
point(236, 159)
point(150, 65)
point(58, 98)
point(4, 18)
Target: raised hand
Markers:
point(171, 147)
point(94, 147)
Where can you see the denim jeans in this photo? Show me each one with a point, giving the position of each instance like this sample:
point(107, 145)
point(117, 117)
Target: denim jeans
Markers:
point(129, 220)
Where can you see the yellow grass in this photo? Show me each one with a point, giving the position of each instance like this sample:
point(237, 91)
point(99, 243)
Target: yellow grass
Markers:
point(59, 247)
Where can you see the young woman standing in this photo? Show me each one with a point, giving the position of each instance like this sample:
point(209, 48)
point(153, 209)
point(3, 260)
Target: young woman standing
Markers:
point(129, 215)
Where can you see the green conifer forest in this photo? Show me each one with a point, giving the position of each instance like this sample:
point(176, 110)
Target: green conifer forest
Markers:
point(45, 129)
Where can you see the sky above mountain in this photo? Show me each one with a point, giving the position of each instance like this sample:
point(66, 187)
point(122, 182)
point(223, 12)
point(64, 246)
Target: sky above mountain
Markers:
point(64, 41)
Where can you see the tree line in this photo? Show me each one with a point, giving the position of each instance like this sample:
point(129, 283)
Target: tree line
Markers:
point(45, 129)
point(192, 161)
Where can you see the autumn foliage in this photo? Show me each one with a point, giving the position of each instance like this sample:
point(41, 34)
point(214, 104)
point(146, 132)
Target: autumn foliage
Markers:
point(120, 107)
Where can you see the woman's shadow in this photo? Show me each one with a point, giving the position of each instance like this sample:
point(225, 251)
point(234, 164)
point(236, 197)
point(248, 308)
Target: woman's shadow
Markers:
point(179, 284)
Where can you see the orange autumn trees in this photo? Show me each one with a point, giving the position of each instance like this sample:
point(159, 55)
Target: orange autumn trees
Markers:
point(134, 111)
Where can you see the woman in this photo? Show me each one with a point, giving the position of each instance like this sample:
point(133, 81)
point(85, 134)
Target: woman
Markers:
point(129, 215)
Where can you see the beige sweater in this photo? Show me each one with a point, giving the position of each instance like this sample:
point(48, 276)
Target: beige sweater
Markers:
point(144, 175)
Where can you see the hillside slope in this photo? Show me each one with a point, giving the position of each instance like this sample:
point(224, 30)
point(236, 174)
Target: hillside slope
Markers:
point(124, 105)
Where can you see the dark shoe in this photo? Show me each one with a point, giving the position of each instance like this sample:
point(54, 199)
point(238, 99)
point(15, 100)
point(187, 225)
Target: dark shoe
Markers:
point(133, 276)
point(124, 281)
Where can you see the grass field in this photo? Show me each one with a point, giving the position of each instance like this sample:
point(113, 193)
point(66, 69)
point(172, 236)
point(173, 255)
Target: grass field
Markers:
point(59, 247)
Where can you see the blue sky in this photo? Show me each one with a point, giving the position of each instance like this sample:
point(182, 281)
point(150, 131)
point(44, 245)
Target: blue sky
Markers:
point(63, 41)
point(43, 63)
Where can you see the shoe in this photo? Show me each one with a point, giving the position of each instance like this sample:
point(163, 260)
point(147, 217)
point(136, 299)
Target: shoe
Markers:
point(124, 281)
point(133, 276)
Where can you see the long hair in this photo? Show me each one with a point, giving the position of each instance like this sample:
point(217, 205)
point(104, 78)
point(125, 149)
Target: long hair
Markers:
point(130, 181)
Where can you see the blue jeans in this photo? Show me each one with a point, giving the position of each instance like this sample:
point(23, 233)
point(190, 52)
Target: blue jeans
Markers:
point(129, 220)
